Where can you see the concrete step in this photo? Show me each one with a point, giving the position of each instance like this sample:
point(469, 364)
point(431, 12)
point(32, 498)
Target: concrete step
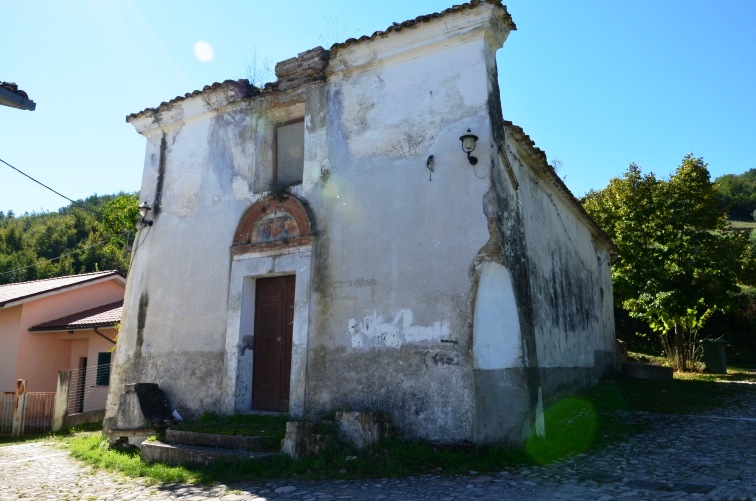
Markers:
point(240, 442)
point(648, 372)
point(178, 454)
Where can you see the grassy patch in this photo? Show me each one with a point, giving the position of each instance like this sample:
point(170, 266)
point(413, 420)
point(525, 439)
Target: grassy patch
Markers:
point(742, 225)
point(734, 374)
point(573, 425)
point(8, 440)
point(92, 448)
point(271, 428)
point(647, 358)
point(679, 396)
point(388, 459)
point(237, 424)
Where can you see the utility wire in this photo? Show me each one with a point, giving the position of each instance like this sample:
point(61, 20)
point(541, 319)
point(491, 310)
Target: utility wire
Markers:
point(74, 202)
point(84, 206)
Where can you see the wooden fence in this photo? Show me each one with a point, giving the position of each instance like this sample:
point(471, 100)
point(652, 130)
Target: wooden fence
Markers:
point(39, 412)
point(26, 413)
point(80, 397)
point(6, 412)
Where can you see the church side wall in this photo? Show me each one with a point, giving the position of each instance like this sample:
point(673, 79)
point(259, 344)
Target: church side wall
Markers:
point(570, 282)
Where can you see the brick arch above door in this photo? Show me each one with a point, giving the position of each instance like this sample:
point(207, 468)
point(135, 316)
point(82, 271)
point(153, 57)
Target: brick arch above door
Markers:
point(273, 222)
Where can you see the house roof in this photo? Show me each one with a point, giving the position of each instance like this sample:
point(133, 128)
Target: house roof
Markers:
point(537, 158)
point(13, 294)
point(11, 95)
point(245, 89)
point(106, 315)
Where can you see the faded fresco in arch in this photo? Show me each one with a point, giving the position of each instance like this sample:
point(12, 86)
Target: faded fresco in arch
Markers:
point(274, 226)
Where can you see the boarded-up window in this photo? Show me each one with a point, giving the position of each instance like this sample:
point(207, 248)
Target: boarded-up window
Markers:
point(103, 368)
point(289, 154)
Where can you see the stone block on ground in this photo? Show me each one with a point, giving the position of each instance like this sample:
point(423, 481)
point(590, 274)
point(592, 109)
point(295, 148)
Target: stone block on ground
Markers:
point(142, 406)
point(362, 429)
point(242, 442)
point(648, 372)
point(182, 454)
point(305, 439)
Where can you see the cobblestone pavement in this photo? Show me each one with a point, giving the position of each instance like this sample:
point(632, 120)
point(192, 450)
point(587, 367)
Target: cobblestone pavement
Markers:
point(711, 456)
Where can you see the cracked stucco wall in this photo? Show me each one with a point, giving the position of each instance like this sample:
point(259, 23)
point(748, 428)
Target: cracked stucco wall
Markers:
point(387, 302)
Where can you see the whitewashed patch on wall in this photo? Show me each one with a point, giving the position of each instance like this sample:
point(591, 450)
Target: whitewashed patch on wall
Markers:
point(375, 331)
point(497, 343)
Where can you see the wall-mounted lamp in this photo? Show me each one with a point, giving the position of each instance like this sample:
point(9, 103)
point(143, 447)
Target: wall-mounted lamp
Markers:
point(144, 209)
point(468, 145)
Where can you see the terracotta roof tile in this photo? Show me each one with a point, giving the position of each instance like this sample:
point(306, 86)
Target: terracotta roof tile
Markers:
point(245, 89)
point(242, 87)
point(24, 290)
point(103, 316)
point(424, 19)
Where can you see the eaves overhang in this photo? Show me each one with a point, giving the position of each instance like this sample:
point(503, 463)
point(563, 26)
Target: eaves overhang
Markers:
point(15, 100)
point(34, 295)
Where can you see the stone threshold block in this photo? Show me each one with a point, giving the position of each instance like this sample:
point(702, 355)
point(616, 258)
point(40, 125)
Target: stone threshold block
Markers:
point(647, 372)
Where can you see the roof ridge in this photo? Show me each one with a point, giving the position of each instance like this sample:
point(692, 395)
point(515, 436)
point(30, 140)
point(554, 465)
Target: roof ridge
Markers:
point(105, 272)
point(411, 23)
point(246, 90)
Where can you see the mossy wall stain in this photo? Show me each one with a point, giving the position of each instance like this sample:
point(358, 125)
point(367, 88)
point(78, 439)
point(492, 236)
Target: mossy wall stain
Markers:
point(144, 302)
point(157, 204)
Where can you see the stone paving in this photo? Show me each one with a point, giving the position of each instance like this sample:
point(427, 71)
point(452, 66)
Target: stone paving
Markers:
point(711, 456)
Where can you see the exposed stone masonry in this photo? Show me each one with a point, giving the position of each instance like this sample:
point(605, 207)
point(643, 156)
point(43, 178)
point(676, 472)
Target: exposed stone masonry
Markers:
point(308, 66)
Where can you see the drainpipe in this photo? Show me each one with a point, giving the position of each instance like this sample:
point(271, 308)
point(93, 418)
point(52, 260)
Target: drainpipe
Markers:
point(103, 335)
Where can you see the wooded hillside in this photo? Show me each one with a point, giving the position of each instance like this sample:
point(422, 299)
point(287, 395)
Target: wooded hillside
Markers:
point(737, 195)
point(90, 235)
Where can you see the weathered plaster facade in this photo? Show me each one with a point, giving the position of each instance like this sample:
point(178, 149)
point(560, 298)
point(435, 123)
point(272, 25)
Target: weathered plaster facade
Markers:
point(449, 298)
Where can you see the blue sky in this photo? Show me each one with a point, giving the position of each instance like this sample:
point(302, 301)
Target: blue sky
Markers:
point(596, 84)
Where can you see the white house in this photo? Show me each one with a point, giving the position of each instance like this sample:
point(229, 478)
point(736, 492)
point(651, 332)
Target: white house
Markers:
point(325, 243)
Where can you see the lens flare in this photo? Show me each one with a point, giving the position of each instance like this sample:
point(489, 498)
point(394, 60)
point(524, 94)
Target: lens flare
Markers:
point(204, 51)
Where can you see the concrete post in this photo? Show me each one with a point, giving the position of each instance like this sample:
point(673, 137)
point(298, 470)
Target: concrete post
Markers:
point(61, 400)
point(19, 407)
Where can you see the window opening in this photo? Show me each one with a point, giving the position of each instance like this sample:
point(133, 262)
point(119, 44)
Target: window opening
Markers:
point(103, 368)
point(289, 151)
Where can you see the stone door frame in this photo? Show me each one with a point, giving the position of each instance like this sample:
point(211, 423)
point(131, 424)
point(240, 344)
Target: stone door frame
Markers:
point(245, 269)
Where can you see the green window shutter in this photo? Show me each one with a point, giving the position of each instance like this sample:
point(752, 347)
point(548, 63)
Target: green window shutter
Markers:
point(103, 368)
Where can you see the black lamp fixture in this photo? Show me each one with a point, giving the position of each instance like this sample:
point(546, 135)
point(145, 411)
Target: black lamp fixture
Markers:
point(468, 145)
point(144, 209)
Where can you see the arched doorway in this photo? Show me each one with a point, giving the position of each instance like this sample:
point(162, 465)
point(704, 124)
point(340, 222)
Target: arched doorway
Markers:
point(268, 317)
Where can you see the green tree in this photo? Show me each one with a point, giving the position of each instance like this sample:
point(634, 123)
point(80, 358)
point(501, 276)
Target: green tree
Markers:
point(119, 217)
point(676, 263)
point(117, 230)
point(737, 194)
point(90, 235)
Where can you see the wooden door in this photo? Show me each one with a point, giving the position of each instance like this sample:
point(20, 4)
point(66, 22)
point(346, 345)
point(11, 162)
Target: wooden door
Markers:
point(271, 366)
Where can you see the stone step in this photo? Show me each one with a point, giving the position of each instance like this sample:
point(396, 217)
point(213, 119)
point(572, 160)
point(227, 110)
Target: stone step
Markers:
point(648, 372)
point(241, 442)
point(179, 454)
